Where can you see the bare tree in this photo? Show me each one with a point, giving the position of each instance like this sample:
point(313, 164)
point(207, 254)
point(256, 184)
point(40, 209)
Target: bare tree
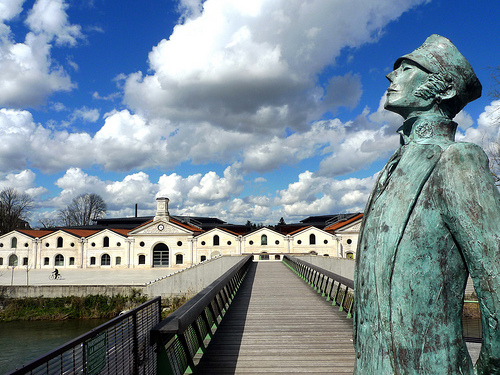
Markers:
point(48, 222)
point(83, 210)
point(15, 209)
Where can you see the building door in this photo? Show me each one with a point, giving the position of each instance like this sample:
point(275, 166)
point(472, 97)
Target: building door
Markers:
point(160, 255)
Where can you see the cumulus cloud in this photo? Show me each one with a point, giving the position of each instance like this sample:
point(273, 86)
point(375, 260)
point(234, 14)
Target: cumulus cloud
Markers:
point(23, 182)
point(29, 73)
point(253, 66)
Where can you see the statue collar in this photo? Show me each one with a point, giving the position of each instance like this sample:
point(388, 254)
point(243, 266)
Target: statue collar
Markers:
point(428, 130)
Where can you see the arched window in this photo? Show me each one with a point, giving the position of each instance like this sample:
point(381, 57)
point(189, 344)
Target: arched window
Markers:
point(349, 255)
point(179, 259)
point(59, 242)
point(142, 259)
point(13, 260)
point(105, 242)
point(216, 240)
point(105, 260)
point(59, 261)
point(263, 240)
point(312, 239)
point(13, 243)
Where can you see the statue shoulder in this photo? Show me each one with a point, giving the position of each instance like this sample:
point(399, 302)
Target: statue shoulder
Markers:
point(465, 155)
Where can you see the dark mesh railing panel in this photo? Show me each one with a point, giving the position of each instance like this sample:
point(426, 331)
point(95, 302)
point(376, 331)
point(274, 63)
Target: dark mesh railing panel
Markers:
point(120, 346)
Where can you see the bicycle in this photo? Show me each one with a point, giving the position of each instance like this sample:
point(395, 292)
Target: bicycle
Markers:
point(54, 277)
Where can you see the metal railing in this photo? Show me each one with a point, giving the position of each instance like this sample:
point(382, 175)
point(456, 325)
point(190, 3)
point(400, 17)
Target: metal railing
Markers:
point(184, 333)
point(335, 288)
point(120, 346)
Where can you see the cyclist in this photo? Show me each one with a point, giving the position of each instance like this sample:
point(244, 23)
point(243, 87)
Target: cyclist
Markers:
point(56, 273)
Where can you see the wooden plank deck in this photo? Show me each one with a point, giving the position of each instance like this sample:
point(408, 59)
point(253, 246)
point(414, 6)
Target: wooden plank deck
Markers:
point(279, 324)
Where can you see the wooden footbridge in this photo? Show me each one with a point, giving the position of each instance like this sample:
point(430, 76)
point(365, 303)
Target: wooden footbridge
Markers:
point(271, 317)
point(277, 323)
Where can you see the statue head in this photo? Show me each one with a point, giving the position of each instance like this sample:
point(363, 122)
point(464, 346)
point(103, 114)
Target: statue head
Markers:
point(434, 77)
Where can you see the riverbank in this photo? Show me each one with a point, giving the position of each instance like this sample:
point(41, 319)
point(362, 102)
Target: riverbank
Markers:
point(61, 308)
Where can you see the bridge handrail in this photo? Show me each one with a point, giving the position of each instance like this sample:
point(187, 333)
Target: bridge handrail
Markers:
point(182, 334)
point(338, 289)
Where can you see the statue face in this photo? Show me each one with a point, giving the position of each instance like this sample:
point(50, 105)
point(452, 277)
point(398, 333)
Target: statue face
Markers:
point(405, 81)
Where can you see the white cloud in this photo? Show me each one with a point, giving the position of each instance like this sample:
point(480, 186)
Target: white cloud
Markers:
point(29, 72)
point(48, 17)
point(253, 66)
point(23, 182)
point(10, 8)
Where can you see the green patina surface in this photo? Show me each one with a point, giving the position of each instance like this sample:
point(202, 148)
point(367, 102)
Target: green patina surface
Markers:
point(432, 219)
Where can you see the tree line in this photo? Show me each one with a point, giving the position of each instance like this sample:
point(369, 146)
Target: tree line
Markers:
point(16, 209)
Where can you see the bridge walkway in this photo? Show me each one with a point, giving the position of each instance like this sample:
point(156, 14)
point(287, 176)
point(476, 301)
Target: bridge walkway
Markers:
point(279, 324)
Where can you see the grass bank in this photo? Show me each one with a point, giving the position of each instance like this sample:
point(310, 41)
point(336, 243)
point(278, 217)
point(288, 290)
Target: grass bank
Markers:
point(89, 307)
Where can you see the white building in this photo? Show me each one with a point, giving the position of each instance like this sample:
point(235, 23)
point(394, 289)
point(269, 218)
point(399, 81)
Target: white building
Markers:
point(166, 241)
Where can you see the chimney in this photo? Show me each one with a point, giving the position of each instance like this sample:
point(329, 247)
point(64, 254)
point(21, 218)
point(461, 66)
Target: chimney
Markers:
point(162, 209)
point(136, 210)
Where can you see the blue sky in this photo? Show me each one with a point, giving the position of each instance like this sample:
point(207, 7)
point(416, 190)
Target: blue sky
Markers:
point(235, 109)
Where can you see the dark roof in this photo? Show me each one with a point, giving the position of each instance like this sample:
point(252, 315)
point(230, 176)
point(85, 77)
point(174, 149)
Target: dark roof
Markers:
point(322, 221)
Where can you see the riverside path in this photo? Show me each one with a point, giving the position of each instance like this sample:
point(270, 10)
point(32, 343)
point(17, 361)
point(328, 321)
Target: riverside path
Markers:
point(279, 324)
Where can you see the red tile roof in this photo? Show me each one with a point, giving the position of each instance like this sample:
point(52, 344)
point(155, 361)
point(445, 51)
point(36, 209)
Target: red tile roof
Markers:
point(81, 232)
point(341, 224)
point(35, 233)
point(300, 230)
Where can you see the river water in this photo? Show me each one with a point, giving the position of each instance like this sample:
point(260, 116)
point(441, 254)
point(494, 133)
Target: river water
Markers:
point(21, 342)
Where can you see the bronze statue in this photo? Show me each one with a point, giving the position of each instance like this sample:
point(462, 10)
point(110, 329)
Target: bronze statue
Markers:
point(432, 219)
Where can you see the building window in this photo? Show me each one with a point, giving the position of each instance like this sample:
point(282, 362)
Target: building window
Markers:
point(92, 244)
point(1, 261)
point(72, 261)
point(59, 261)
point(312, 239)
point(250, 242)
point(216, 240)
point(179, 259)
point(47, 244)
point(299, 242)
point(349, 241)
point(105, 242)
point(1, 244)
point(13, 260)
point(264, 256)
point(46, 261)
point(72, 244)
point(92, 261)
point(13, 243)
point(202, 258)
point(26, 244)
point(25, 261)
point(277, 257)
point(325, 241)
point(59, 242)
point(263, 240)
point(118, 261)
point(142, 244)
point(229, 243)
point(313, 252)
point(142, 259)
point(105, 260)
point(203, 243)
point(277, 242)
point(118, 244)
point(349, 255)
point(179, 243)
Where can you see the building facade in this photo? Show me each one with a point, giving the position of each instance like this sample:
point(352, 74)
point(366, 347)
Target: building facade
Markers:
point(166, 241)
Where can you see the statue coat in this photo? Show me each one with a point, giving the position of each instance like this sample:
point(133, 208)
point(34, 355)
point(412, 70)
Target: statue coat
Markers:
point(433, 218)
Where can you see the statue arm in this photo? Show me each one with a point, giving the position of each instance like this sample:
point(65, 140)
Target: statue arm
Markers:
point(471, 209)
